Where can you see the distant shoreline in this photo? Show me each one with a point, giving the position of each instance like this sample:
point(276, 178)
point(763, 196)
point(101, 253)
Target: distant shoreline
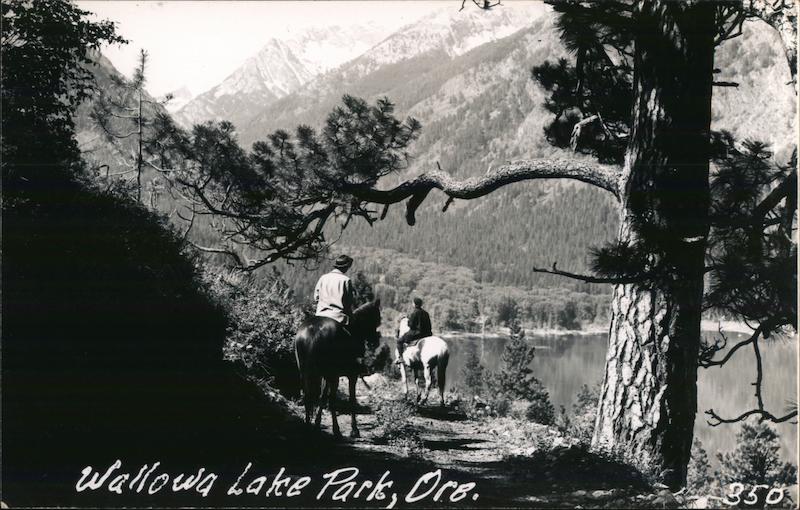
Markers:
point(726, 326)
point(705, 325)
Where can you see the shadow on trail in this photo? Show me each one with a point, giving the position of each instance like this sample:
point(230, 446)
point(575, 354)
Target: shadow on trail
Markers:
point(452, 444)
point(441, 413)
point(561, 477)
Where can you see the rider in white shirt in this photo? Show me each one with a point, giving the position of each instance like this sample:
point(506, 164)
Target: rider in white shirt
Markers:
point(334, 292)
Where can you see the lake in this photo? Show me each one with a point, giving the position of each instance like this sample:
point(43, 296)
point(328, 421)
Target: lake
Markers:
point(564, 363)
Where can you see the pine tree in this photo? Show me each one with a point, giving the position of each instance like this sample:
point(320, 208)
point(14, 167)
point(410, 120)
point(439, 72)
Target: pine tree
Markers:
point(44, 79)
point(668, 240)
point(472, 372)
point(125, 114)
point(363, 289)
point(698, 476)
point(756, 459)
point(515, 380)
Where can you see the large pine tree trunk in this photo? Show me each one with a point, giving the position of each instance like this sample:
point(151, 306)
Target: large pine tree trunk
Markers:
point(649, 397)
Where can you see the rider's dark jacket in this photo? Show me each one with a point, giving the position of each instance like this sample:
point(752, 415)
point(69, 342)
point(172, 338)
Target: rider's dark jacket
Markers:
point(419, 323)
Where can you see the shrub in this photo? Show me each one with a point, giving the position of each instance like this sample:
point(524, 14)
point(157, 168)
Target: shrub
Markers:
point(264, 320)
point(756, 459)
point(393, 418)
point(515, 380)
point(584, 412)
point(698, 476)
point(479, 407)
point(363, 289)
point(540, 410)
point(380, 361)
point(507, 311)
point(472, 373)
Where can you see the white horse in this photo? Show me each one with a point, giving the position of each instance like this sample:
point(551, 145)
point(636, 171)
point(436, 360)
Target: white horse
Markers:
point(428, 354)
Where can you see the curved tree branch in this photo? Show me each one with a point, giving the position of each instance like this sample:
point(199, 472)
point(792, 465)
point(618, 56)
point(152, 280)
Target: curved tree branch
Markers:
point(765, 415)
point(417, 189)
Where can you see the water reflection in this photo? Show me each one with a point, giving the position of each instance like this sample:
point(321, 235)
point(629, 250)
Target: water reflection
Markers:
point(564, 363)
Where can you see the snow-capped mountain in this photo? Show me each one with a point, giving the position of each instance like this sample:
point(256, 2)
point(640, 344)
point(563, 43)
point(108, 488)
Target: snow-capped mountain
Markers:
point(451, 31)
point(285, 63)
point(180, 98)
point(412, 63)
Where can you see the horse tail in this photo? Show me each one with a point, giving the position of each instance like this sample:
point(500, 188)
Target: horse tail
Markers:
point(300, 355)
point(308, 379)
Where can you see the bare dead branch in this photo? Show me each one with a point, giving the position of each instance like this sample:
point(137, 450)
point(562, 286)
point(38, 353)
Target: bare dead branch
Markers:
point(447, 203)
point(706, 360)
point(588, 278)
point(485, 4)
point(765, 416)
point(577, 128)
point(222, 251)
point(185, 235)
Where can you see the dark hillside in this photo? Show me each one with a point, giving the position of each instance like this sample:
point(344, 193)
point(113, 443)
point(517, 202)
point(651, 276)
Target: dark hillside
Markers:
point(111, 350)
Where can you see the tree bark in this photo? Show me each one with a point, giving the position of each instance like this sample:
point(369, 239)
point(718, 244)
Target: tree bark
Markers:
point(649, 397)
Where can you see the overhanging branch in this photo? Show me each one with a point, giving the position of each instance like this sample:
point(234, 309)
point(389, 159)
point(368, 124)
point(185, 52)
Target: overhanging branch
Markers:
point(417, 189)
point(588, 278)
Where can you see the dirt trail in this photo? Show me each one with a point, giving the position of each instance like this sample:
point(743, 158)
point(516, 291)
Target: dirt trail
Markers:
point(513, 464)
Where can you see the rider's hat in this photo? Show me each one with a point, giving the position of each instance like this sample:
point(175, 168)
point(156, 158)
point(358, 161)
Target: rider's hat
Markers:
point(343, 262)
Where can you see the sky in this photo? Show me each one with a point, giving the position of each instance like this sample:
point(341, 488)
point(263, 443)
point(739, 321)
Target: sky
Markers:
point(199, 43)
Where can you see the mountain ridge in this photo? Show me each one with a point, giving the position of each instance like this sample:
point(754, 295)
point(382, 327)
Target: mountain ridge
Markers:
point(281, 65)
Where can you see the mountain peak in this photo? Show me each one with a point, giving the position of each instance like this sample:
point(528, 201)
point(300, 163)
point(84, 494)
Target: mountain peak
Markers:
point(180, 97)
point(454, 32)
point(287, 61)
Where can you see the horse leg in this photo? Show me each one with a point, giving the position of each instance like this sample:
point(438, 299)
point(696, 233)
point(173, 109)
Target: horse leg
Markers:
point(310, 395)
point(353, 403)
point(333, 388)
point(404, 378)
point(440, 376)
point(307, 399)
point(428, 372)
point(416, 385)
point(318, 419)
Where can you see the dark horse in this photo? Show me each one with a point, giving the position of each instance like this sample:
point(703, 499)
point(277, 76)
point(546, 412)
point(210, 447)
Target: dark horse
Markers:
point(325, 352)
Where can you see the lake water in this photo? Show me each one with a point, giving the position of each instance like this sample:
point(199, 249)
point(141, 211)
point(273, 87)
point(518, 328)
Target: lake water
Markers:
point(564, 363)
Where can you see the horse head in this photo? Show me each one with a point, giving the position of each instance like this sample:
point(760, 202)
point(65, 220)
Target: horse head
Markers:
point(366, 321)
point(402, 326)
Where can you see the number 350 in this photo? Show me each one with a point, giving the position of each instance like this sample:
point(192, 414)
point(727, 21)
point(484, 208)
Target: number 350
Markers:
point(774, 496)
